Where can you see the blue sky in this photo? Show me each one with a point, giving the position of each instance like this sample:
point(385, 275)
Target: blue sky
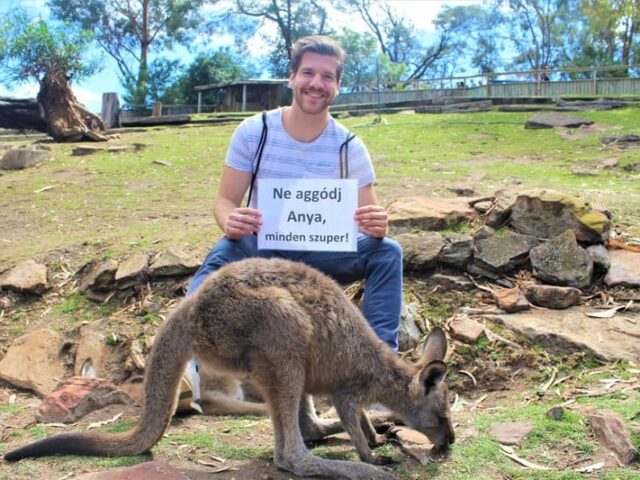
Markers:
point(89, 91)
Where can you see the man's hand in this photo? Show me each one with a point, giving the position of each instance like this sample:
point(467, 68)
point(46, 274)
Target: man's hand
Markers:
point(241, 222)
point(372, 220)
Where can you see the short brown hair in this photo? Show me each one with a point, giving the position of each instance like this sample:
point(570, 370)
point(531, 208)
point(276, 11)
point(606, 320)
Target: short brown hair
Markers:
point(317, 44)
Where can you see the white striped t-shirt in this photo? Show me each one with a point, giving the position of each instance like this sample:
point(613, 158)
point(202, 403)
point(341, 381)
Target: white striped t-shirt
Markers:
point(286, 157)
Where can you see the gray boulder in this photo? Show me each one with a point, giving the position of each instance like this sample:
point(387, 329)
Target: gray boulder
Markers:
point(550, 296)
point(421, 253)
point(501, 208)
point(561, 261)
point(503, 253)
point(624, 270)
point(409, 334)
point(457, 250)
point(173, 262)
point(428, 213)
point(20, 158)
point(547, 214)
point(553, 120)
point(26, 277)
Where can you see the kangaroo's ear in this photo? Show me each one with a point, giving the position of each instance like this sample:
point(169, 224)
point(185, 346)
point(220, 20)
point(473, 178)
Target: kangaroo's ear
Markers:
point(435, 347)
point(432, 375)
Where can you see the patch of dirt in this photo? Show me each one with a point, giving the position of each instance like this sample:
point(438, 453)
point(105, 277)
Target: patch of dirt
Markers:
point(583, 131)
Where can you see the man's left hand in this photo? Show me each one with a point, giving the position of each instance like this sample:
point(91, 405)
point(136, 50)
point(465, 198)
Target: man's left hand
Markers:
point(372, 220)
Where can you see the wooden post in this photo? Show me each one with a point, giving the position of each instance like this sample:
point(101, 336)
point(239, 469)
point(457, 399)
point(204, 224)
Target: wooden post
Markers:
point(199, 102)
point(595, 82)
point(244, 97)
point(110, 110)
point(157, 109)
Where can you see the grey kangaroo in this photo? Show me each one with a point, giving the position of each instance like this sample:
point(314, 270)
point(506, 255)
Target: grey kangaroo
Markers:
point(292, 332)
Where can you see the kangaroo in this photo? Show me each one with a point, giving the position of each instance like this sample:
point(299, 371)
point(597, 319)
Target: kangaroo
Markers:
point(292, 332)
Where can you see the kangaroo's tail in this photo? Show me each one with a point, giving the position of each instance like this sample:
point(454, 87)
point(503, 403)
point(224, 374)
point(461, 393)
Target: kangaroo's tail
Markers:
point(171, 350)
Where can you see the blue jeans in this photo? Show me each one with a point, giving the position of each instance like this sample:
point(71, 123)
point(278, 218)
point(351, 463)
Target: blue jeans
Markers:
point(378, 261)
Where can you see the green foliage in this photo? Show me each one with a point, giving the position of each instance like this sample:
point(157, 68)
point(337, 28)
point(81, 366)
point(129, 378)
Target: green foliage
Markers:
point(128, 34)
point(31, 49)
point(361, 49)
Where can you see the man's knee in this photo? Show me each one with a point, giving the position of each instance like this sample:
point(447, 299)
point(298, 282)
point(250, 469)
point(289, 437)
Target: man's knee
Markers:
point(384, 250)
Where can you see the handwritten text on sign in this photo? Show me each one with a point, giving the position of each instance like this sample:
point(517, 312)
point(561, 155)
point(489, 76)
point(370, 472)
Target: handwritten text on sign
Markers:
point(315, 215)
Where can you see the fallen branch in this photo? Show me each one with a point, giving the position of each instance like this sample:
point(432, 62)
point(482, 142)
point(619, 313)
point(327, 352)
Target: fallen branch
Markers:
point(494, 336)
point(508, 452)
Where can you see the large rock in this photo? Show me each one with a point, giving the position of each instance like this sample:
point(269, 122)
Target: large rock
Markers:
point(20, 158)
point(510, 433)
point(27, 277)
point(100, 277)
point(500, 210)
point(457, 250)
point(409, 334)
point(511, 300)
point(572, 330)
point(96, 358)
point(466, 329)
point(503, 253)
point(551, 296)
point(173, 262)
point(624, 269)
point(133, 271)
point(426, 213)
point(547, 214)
point(420, 253)
point(552, 120)
point(154, 470)
point(35, 361)
point(78, 396)
point(611, 432)
point(561, 261)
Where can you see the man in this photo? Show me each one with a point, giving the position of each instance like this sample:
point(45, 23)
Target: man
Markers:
point(304, 141)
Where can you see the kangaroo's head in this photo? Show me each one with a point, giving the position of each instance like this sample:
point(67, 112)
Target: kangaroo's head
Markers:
point(431, 414)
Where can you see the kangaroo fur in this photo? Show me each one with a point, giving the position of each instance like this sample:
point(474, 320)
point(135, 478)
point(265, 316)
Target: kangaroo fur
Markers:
point(292, 332)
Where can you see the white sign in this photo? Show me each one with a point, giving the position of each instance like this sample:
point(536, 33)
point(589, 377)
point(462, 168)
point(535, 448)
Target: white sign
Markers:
point(314, 215)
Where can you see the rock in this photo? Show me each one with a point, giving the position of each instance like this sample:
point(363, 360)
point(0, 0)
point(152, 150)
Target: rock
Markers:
point(426, 213)
point(501, 208)
point(611, 432)
point(409, 334)
point(624, 270)
point(552, 120)
point(20, 158)
point(566, 331)
point(102, 276)
point(600, 257)
point(503, 253)
point(154, 470)
point(133, 271)
point(452, 282)
point(173, 262)
point(555, 413)
point(91, 149)
point(462, 191)
point(98, 296)
point(35, 361)
point(561, 261)
point(420, 252)
point(483, 207)
point(465, 329)
point(95, 358)
point(483, 232)
point(610, 163)
point(624, 140)
point(510, 433)
point(547, 214)
point(549, 296)
point(27, 277)
point(457, 250)
point(77, 397)
point(511, 300)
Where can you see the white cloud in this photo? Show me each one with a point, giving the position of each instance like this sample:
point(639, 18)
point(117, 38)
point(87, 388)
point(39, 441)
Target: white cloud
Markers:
point(28, 90)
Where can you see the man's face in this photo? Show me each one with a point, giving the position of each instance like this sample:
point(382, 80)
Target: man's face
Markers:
point(315, 84)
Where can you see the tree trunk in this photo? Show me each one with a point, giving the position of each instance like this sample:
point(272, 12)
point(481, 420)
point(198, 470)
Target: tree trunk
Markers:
point(67, 119)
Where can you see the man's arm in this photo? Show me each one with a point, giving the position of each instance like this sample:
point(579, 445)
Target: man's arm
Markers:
point(371, 218)
point(235, 220)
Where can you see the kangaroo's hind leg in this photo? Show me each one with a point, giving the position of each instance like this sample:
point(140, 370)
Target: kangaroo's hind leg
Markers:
point(313, 427)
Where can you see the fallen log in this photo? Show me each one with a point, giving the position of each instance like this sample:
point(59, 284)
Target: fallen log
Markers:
point(151, 121)
point(21, 114)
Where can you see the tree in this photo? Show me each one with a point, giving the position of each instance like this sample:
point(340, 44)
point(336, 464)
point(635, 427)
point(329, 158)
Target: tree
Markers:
point(398, 37)
point(53, 56)
point(611, 34)
point(360, 65)
point(127, 30)
point(474, 35)
point(162, 74)
point(293, 18)
point(206, 69)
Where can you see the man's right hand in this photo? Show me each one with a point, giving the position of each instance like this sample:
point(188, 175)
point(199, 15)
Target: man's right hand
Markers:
point(241, 222)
